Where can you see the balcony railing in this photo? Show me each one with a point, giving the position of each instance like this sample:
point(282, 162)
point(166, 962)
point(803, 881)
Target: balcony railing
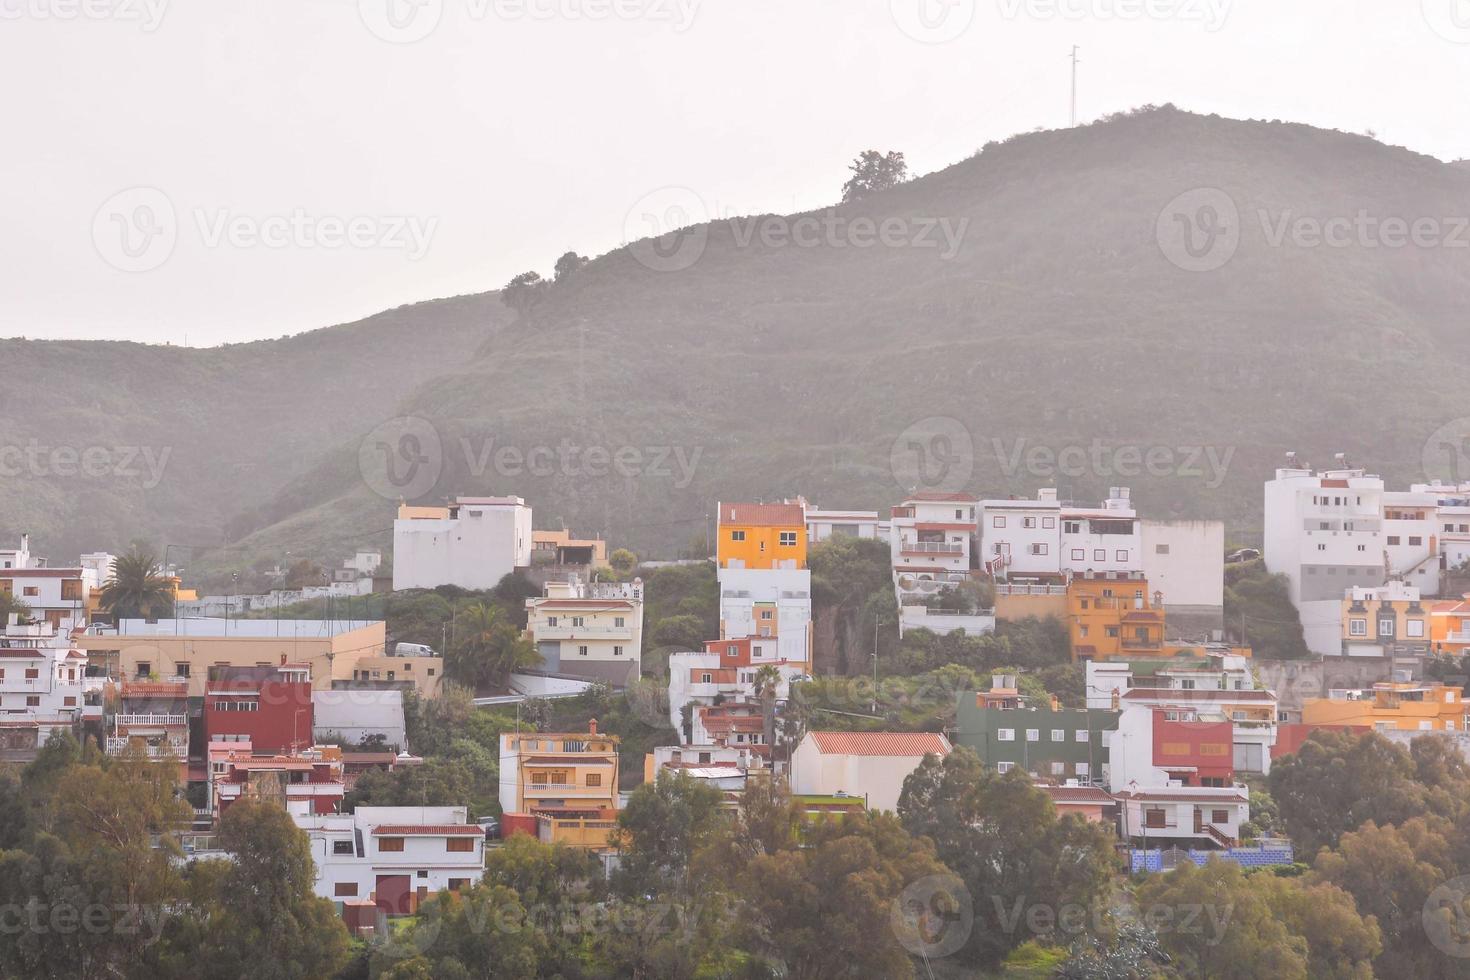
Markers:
point(151, 719)
point(173, 747)
point(932, 548)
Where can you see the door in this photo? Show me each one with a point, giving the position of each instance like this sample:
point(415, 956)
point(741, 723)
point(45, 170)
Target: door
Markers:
point(394, 894)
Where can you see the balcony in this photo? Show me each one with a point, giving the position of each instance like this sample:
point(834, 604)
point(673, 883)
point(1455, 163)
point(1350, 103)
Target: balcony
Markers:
point(563, 631)
point(932, 548)
point(566, 790)
point(165, 721)
point(178, 748)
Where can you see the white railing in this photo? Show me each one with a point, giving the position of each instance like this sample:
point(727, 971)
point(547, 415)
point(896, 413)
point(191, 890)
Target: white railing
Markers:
point(175, 720)
point(172, 747)
point(1002, 589)
point(933, 548)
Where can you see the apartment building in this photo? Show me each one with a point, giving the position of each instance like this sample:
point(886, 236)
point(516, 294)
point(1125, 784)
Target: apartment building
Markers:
point(822, 525)
point(761, 536)
point(472, 543)
point(1008, 730)
point(769, 605)
point(727, 670)
point(558, 771)
point(1181, 746)
point(59, 596)
point(42, 688)
point(395, 856)
point(269, 708)
point(590, 631)
point(153, 716)
point(931, 541)
point(1388, 620)
point(1113, 615)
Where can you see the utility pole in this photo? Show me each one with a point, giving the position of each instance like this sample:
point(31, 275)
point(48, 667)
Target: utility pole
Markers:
point(876, 623)
point(1074, 85)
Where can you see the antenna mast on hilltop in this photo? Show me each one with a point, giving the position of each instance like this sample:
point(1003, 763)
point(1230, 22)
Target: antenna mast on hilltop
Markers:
point(1074, 86)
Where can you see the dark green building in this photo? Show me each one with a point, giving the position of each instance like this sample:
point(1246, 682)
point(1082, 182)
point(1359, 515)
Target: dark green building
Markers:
point(1009, 731)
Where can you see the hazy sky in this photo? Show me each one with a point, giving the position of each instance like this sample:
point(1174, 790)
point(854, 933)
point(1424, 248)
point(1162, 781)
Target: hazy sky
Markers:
point(227, 170)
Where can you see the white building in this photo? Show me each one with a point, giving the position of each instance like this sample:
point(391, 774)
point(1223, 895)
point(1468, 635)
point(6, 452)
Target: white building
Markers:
point(870, 765)
point(916, 617)
point(473, 543)
point(57, 596)
point(1045, 538)
point(1325, 533)
point(356, 713)
point(42, 680)
point(589, 630)
point(824, 524)
point(396, 856)
point(1185, 560)
point(766, 604)
point(1190, 816)
point(726, 671)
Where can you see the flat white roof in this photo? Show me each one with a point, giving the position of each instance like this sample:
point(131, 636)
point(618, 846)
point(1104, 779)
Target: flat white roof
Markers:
point(219, 627)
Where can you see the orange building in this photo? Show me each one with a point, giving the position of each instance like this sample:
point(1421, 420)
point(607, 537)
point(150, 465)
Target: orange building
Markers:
point(1392, 705)
point(1112, 615)
point(1449, 626)
point(762, 535)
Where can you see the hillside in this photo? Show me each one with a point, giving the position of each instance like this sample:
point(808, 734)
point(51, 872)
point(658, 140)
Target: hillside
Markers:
point(778, 369)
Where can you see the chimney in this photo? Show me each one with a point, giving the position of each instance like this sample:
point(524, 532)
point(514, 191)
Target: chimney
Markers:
point(592, 726)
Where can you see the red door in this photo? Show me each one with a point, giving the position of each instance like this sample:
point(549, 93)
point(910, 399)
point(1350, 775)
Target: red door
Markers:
point(394, 894)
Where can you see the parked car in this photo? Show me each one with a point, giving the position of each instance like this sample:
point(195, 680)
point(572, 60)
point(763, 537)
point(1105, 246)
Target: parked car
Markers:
point(491, 827)
point(413, 650)
point(1244, 554)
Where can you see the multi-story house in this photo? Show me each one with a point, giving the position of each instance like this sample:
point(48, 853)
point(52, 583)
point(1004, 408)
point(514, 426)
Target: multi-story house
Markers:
point(558, 771)
point(472, 543)
point(592, 631)
point(42, 688)
point(733, 724)
point(1020, 540)
point(1385, 621)
point(270, 708)
point(1008, 730)
point(1113, 615)
point(1106, 538)
point(56, 596)
point(395, 856)
point(152, 715)
point(559, 550)
point(1449, 625)
point(1184, 816)
point(931, 540)
point(762, 536)
point(727, 670)
point(307, 782)
point(769, 604)
point(1392, 706)
point(1220, 685)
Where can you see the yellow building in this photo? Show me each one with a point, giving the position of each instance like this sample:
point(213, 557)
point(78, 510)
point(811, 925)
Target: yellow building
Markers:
point(762, 535)
point(558, 772)
point(334, 650)
point(1112, 615)
point(1384, 620)
point(1390, 705)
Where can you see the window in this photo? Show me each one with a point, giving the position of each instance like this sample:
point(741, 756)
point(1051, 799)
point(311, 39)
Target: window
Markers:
point(1080, 735)
point(1083, 769)
point(765, 614)
point(1005, 735)
point(31, 590)
point(1033, 735)
point(594, 779)
point(1004, 766)
point(550, 620)
point(1385, 627)
point(737, 535)
point(1415, 542)
point(1414, 627)
point(390, 844)
point(1174, 748)
point(1161, 549)
point(1058, 768)
point(69, 702)
point(706, 678)
point(959, 513)
point(32, 673)
point(1153, 817)
point(33, 700)
point(1071, 527)
point(1049, 523)
point(617, 650)
point(1058, 735)
point(342, 847)
point(458, 884)
point(144, 668)
point(620, 621)
point(788, 539)
point(460, 845)
point(997, 521)
point(1112, 632)
point(1357, 627)
point(1393, 539)
point(577, 622)
point(582, 650)
point(1214, 749)
point(1219, 816)
point(1099, 554)
point(1121, 555)
point(1028, 522)
point(1186, 684)
point(1038, 549)
point(1078, 554)
point(345, 889)
point(732, 651)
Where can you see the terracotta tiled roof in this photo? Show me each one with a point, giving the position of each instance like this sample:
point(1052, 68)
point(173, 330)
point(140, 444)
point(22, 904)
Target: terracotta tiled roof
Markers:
point(763, 515)
point(1076, 794)
point(880, 743)
point(427, 830)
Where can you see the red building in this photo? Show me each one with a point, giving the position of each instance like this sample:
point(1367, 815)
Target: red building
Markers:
point(1197, 752)
point(304, 783)
point(269, 707)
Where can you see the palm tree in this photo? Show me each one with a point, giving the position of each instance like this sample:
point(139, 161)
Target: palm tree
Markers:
point(136, 589)
point(766, 680)
point(488, 647)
